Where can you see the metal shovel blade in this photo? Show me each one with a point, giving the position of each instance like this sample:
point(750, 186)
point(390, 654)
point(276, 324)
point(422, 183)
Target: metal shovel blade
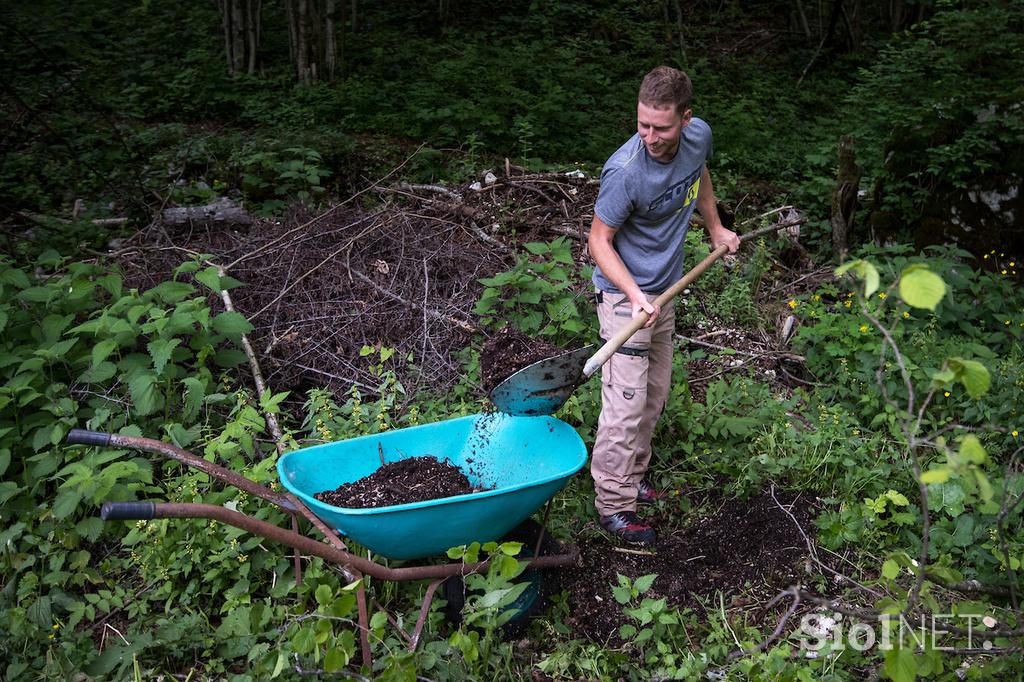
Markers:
point(544, 386)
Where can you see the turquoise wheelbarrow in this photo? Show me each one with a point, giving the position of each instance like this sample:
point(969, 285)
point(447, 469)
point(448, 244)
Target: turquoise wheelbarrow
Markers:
point(524, 461)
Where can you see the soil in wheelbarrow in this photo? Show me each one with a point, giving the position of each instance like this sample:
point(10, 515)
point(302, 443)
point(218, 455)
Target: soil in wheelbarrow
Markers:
point(412, 479)
point(507, 352)
point(749, 550)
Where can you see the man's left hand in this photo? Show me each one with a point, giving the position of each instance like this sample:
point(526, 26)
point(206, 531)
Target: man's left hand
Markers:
point(725, 236)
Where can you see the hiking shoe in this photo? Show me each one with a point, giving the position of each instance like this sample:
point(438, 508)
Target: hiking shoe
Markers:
point(647, 494)
point(628, 527)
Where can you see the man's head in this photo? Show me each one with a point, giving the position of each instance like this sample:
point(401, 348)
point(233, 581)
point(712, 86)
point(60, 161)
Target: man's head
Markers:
point(663, 110)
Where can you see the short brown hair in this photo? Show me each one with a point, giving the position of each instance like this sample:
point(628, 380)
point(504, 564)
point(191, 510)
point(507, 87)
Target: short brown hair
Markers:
point(666, 87)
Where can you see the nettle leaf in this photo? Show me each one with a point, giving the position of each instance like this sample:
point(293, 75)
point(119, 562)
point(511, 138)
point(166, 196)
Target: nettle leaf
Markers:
point(37, 294)
point(188, 266)
point(210, 277)
point(920, 287)
point(195, 392)
point(972, 374)
point(160, 350)
point(890, 569)
point(865, 270)
point(900, 665)
point(644, 582)
point(14, 277)
point(145, 393)
point(170, 292)
point(231, 324)
point(98, 374)
point(102, 350)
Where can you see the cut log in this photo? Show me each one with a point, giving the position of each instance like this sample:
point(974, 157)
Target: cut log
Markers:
point(220, 213)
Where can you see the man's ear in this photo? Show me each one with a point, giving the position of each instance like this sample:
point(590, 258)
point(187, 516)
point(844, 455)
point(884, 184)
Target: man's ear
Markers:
point(687, 117)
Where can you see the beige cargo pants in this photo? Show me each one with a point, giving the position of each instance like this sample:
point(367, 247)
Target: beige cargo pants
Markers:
point(634, 388)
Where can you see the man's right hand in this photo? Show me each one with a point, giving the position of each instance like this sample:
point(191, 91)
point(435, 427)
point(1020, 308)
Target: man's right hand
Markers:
point(642, 304)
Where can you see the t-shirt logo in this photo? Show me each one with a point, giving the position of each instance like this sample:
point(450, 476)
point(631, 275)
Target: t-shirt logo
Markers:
point(689, 186)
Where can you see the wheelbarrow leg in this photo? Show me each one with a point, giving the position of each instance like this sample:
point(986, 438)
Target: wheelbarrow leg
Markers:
point(298, 554)
point(424, 610)
point(351, 575)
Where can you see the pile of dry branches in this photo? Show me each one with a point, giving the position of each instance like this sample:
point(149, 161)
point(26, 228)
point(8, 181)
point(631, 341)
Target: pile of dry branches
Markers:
point(394, 266)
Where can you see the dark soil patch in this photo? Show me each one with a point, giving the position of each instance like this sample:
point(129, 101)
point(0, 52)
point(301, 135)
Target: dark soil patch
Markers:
point(507, 352)
point(413, 479)
point(749, 547)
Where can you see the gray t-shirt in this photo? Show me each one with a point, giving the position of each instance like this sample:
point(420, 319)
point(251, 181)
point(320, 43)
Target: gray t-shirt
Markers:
point(650, 205)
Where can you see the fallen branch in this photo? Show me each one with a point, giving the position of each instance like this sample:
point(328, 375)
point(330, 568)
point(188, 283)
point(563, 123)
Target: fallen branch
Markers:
point(221, 212)
point(794, 594)
point(257, 375)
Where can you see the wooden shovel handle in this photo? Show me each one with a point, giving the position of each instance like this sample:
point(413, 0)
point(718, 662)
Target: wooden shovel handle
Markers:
point(614, 343)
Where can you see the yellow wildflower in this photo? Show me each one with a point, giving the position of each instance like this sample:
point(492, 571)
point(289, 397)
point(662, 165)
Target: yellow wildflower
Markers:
point(1004, 272)
point(986, 255)
point(906, 314)
point(1014, 434)
point(847, 303)
point(882, 295)
point(792, 304)
point(946, 394)
point(863, 328)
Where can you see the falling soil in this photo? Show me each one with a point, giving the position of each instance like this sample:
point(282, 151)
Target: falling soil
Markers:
point(507, 352)
point(413, 479)
point(747, 549)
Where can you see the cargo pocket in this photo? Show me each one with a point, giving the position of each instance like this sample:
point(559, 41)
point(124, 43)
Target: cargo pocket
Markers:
point(627, 376)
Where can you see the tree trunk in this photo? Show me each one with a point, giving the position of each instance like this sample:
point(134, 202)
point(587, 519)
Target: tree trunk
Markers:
point(225, 22)
point(803, 19)
point(833, 21)
point(302, 42)
point(255, 15)
point(293, 36)
point(679, 28)
point(330, 44)
point(844, 199)
point(237, 37)
point(895, 15)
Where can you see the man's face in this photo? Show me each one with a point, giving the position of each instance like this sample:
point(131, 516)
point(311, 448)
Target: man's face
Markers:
point(660, 130)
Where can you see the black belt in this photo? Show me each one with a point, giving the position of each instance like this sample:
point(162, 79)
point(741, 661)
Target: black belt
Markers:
point(636, 352)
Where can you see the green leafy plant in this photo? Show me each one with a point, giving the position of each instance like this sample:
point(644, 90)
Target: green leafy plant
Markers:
point(539, 294)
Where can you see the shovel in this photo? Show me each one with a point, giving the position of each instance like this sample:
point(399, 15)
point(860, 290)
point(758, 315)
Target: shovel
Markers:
point(544, 386)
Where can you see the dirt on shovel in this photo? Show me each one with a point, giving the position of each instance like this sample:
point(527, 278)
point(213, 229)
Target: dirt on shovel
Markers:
point(509, 351)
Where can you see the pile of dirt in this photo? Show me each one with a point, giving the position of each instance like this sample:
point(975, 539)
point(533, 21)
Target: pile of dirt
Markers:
point(402, 273)
point(739, 547)
point(507, 352)
point(413, 479)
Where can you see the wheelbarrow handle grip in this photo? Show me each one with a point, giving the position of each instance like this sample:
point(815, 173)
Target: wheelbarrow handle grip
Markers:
point(127, 511)
point(86, 437)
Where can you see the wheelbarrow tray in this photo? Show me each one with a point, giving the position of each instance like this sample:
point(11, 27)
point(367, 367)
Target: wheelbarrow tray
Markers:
point(524, 460)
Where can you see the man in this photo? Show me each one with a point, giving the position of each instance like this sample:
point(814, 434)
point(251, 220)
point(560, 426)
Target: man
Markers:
point(649, 189)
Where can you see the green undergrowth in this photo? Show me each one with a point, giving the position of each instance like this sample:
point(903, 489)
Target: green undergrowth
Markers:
point(117, 600)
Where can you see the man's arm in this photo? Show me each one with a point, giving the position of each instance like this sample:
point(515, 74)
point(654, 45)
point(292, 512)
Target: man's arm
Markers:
point(607, 258)
point(706, 204)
